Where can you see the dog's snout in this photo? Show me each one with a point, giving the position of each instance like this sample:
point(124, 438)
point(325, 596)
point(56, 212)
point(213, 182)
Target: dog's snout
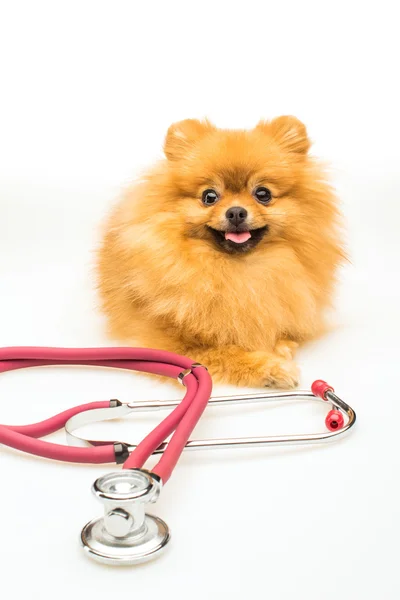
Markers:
point(236, 215)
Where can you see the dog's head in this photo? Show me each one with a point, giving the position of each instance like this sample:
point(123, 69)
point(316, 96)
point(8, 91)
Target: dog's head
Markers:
point(237, 191)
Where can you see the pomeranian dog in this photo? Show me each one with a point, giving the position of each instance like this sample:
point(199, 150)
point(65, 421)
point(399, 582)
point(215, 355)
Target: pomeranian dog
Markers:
point(225, 252)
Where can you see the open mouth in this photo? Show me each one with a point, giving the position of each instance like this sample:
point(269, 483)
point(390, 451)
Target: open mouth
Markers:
point(238, 241)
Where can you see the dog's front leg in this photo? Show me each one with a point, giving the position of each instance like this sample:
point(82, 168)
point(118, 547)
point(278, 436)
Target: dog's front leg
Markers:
point(235, 366)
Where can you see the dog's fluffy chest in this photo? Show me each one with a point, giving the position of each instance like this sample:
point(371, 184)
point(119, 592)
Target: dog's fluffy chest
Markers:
point(249, 304)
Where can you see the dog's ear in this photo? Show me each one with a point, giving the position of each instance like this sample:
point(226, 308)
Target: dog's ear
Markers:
point(289, 132)
point(182, 137)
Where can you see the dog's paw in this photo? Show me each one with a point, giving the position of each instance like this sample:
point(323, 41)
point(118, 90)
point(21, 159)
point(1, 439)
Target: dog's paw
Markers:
point(286, 349)
point(282, 374)
point(271, 370)
point(250, 369)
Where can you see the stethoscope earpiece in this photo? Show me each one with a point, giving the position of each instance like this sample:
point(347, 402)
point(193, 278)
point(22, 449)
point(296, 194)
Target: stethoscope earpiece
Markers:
point(126, 535)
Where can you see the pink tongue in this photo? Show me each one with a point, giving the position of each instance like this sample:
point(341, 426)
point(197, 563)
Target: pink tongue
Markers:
point(238, 238)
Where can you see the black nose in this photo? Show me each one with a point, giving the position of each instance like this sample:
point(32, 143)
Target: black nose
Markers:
point(236, 215)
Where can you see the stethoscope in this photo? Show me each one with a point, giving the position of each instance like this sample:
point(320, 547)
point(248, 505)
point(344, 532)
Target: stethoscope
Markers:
point(126, 534)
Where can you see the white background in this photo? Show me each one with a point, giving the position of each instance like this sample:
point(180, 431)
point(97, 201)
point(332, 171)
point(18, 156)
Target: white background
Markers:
point(88, 90)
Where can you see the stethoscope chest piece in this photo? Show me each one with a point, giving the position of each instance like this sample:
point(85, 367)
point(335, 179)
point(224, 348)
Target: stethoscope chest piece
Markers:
point(125, 535)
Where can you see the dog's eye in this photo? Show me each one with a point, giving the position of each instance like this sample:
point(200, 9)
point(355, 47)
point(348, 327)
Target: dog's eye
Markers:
point(209, 197)
point(263, 195)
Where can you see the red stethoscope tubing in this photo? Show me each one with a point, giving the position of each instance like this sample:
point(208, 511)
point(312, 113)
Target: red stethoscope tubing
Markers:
point(180, 422)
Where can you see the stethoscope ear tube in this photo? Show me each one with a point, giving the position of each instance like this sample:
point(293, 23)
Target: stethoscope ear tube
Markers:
point(24, 438)
point(182, 421)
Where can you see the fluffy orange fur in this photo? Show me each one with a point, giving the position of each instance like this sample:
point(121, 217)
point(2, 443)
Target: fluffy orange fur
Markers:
point(164, 283)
